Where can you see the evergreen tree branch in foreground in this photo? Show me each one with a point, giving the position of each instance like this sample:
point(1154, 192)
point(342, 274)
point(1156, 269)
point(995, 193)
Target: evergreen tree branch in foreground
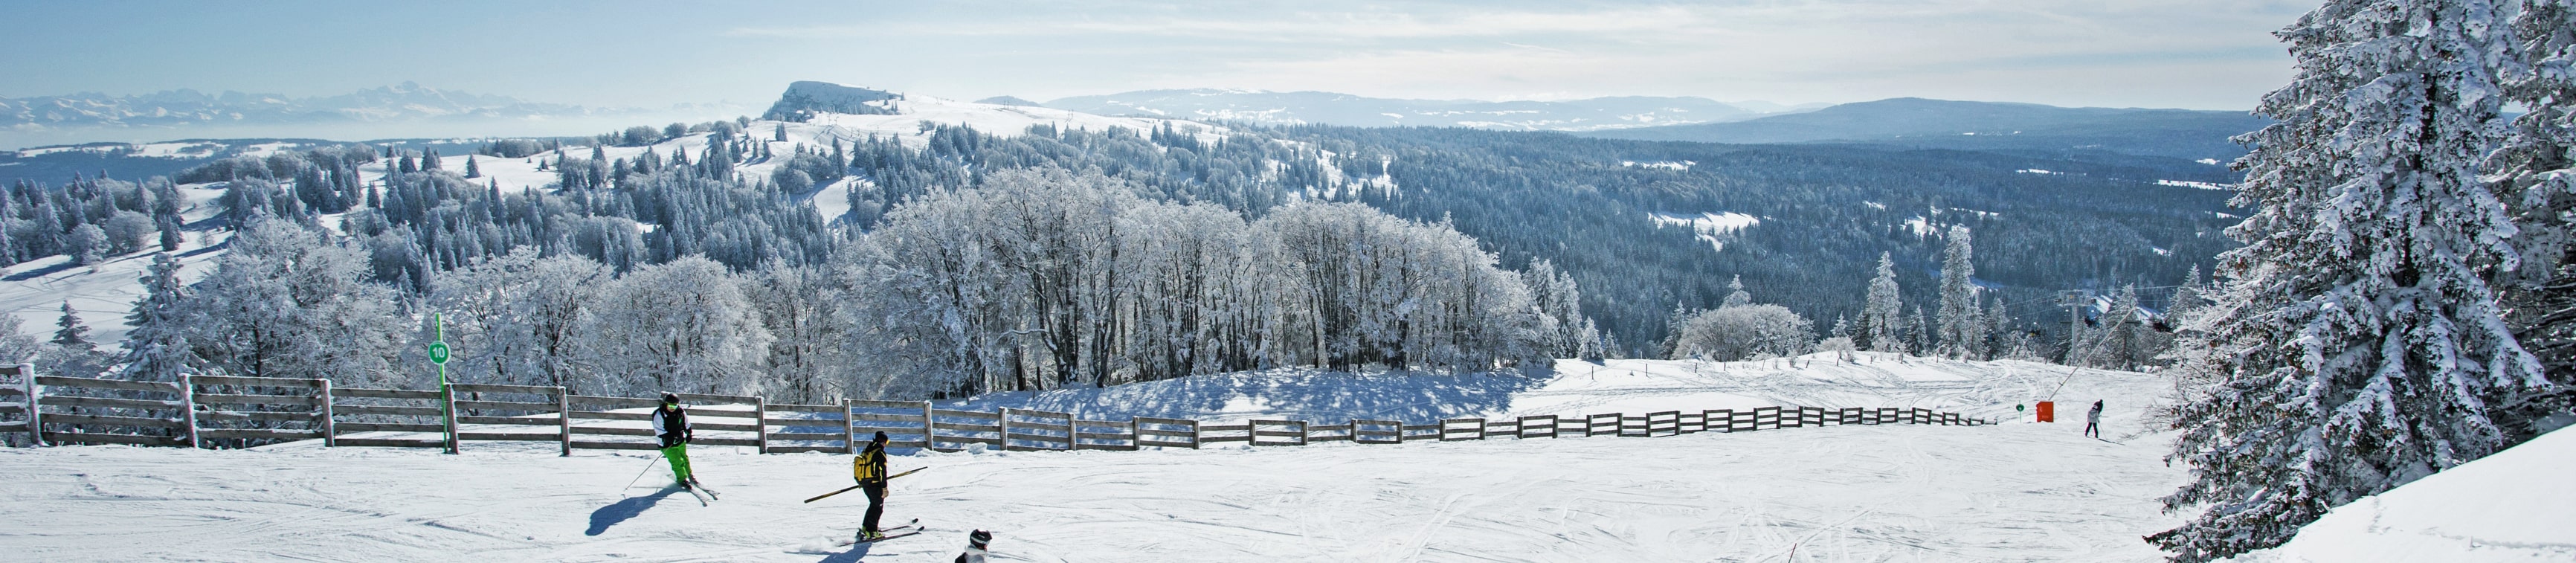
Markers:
point(2362, 341)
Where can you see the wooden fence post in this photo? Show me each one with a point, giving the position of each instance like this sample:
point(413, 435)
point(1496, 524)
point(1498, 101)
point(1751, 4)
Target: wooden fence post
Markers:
point(188, 407)
point(1133, 436)
point(447, 404)
point(35, 428)
point(929, 428)
point(850, 437)
point(328, 424)
point(1003, 423)
point(1194, 434)
point(760, 423)
point(563, 417)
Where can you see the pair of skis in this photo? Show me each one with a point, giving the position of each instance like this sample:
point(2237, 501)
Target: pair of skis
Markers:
point(907, 529)
point(701, 491)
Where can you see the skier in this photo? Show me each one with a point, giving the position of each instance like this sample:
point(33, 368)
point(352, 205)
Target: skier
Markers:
point(975, 547)
point(671, 423)
point(870, 471)
point(2093, 421)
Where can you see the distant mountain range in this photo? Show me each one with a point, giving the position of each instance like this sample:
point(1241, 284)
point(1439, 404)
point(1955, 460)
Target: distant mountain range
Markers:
point(1327, 108)
point(2178, 133)
point(190, 107)
point(403, 110)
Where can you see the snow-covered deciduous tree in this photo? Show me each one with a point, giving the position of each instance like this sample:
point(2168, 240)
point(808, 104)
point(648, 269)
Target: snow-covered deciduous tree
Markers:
point(1962, 333)
point(16, 346)
point(86, 244)
point(1882, 319)
point(809, 357)
point(1043, 278)
point(2362, 342)
point(682, 326)
point(1745, 332)
point(285, 301)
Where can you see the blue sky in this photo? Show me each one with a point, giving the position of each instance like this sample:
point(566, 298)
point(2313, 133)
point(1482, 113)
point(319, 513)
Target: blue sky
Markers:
point(2203, 54)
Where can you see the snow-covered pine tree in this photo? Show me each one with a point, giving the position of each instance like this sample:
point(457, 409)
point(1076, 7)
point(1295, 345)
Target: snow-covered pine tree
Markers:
point(70, 353)
point(70, 332)
point(472, 171)
point(2363, 342)
point(1999, 333)
point(1961, 332)
point(157, 348)
point(2538, 185)
point(1735, 295)
point(1673, 323)
point(1881, 314)
point(1918, 330)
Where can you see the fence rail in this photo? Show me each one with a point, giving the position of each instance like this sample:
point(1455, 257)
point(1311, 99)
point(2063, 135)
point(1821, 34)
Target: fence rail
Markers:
point(224, 411)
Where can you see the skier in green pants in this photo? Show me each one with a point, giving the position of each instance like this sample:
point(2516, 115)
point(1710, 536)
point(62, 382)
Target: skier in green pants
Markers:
point(671, 423)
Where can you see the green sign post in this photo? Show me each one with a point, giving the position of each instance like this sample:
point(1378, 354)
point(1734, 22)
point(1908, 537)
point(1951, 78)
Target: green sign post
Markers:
point(438, 354)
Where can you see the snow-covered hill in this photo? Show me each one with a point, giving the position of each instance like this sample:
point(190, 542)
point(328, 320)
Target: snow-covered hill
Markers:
point(2010, 492)
point(1329, 108)
point(2515, 506)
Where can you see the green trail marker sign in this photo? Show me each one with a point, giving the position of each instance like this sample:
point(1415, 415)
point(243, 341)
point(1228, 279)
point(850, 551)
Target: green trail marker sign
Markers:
point(438, 353)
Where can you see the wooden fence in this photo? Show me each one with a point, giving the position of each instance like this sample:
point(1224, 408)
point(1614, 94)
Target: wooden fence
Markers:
point(213, 411)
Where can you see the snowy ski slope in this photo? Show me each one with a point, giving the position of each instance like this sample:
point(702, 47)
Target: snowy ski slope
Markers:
point(2016, 491)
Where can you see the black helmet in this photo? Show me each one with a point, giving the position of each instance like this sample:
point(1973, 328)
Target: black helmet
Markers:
point(979, 538)
point(670, 399)
point(881, 437)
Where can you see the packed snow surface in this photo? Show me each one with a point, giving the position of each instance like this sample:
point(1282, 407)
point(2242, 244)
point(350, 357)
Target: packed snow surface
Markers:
point(2018, 491)
point(2515, 506)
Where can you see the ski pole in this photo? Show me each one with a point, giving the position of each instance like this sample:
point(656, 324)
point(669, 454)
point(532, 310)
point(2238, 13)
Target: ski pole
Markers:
point(829, 494)
point(855, 487)
point(639, 475)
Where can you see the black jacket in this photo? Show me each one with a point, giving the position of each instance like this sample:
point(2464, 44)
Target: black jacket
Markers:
point(672, 425)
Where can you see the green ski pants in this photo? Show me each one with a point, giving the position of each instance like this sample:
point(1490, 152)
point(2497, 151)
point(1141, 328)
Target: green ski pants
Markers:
point(679, 456)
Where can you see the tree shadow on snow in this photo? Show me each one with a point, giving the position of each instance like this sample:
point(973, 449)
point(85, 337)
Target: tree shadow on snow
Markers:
point(613, 514)
point(1314, 396)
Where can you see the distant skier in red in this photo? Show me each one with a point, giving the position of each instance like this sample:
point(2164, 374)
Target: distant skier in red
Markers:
point(870, 470)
